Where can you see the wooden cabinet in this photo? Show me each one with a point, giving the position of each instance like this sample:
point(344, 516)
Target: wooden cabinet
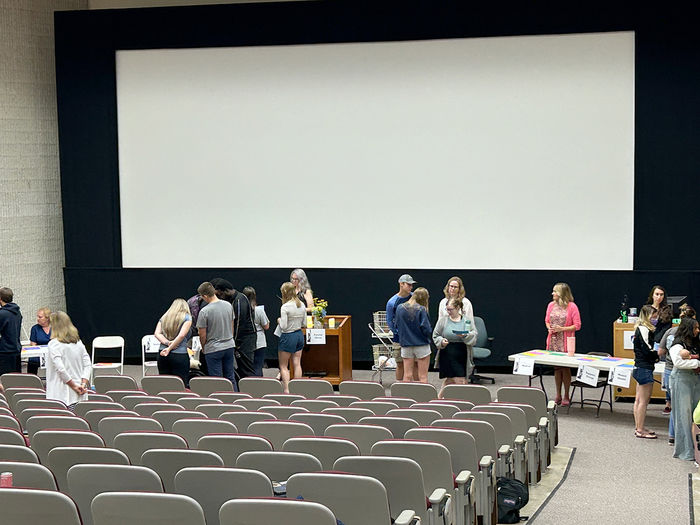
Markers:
point(620, 330)
point(333, 360)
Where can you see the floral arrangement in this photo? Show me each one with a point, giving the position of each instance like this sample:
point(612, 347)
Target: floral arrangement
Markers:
point(319, 308)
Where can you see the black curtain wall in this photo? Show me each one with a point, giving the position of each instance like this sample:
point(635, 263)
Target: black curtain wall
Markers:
point(105, 298)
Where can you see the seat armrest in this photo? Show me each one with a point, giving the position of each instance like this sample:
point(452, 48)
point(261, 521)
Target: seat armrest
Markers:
point(519, 440)
point(551, 406)
point(463, 477)
point(438, 496)
point(543, 422)
point(407, 517)
point(504, 450)
point(532, 431)
point(486, 462)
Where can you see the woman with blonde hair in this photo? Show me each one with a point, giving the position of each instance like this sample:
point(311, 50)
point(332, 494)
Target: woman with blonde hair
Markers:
point(290, 321)
point(643, 374)
point(172, 331)
point(67, 362)
point(562, 320)
point(40, 335)
point(414, 334)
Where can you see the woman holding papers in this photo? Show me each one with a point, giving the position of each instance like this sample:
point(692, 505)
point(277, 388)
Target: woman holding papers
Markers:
point(644, 359)
point(685, 386)
point(454, 336)
point(562, 321)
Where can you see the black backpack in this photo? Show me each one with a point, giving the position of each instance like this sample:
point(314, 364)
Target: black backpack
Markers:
point(512, 496)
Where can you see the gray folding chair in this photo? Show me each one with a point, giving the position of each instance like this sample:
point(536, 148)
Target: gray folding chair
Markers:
point(446, 411)
point(403, 480)
point(214, 410)
point(168, 462)
point(36, 423)
point(422, 416)
point(118, 395)
point(130, 402)
point(435, 462)
point(341, 400)
point(14, 395)
point(134, 444)
point(477, 394)
point(314, 405)
point(259, 386)
point(86, 481)
point(331, 490)
point(350, 414)
point(290, 512)
point(81, 408)
point(401, 402)
point(380, 408)
point(326, 449)
point(277, 465)
point(461, 406)
point(13, 380)
point(93, 417)
point(230, 446)
point(228, 397)
point(148, 409)
point(364, 436)
point(30, 412)
point(30, 506)
point(22, 404)
point(207, 385)
point(104, 383)
point(464, 457)
point(420, 392)
point(117, 508)
point(61, 459)
point(192, 402)
point(109, 427)
point(310, 388)
point(243, 420)
point(398, 426)
point(11, 436)
point(45, 440)
point(366, 390)
point(485, 436)
point(91, 396)
point(212, 487)
point(18, 453)
point(12, 422)
point(285, 412)
point(284, 399)
point(254, 403)
point(29, 475)
point(193, 429)
point(277, 432)
point(168, 417)
point(173, 396)
point(154, 385)
point(318, 422)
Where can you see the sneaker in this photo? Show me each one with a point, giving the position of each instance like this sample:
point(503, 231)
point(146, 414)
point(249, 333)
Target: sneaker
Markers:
point(671, 441)
point(667, 410)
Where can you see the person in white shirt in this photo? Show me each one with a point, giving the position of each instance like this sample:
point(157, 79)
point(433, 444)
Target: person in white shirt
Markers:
point(291, 319)
point(68, 365)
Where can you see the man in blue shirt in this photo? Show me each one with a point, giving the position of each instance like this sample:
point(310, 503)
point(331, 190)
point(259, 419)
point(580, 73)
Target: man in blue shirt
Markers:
point(406, 283)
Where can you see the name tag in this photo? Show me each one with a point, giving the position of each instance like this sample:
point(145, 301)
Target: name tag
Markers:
point(316, 336)
point(524, 366)
point(587, 374)
point(620, 376)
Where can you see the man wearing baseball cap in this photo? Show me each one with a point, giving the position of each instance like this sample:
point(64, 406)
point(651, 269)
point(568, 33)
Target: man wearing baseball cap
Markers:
point(406, 283)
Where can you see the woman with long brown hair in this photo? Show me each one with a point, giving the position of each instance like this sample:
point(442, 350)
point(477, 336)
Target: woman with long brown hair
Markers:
point(414, 334)
point(290, 321)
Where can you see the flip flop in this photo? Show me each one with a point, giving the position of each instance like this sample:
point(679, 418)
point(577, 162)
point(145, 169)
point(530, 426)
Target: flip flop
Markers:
point(644, 435)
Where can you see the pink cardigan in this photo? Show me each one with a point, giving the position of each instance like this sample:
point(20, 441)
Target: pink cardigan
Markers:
point(572, 318)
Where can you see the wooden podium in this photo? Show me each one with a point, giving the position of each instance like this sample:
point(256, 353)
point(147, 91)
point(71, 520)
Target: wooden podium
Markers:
point(619, 350)
point(333, 358)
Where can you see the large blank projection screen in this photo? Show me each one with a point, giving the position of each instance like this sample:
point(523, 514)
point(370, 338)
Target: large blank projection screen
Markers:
point(486, 153)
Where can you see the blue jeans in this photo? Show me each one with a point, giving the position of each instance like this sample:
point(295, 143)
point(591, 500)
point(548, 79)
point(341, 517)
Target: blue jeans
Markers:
point(685, 394)
point(667, 387)
point(220, 364)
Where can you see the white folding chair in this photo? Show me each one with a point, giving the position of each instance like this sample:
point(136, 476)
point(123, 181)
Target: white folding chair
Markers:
point(150, 349)
point(107, 342)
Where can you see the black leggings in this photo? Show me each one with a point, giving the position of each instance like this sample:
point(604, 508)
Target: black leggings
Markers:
point(175, 365)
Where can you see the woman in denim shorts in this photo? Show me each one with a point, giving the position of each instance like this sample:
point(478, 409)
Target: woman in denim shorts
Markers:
point(292, 317)
point(644, 359)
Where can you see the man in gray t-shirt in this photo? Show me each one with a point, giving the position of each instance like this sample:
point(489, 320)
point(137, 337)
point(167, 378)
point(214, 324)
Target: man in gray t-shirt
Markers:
point(215, 327)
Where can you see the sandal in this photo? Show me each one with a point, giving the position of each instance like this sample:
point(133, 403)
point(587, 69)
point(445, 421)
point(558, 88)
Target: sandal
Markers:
point(566, 402)
point(644, 435)
point(557, 400)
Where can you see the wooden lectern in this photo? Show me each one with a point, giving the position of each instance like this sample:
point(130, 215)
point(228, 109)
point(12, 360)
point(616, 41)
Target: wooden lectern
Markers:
point(619, 350)
point(333, 358)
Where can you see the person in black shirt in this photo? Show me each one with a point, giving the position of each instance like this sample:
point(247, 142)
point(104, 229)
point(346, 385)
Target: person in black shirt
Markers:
point(644, 359)
point(10, 329)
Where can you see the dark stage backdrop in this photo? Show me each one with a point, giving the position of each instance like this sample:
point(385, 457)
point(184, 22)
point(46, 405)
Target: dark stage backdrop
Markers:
point(105, 298)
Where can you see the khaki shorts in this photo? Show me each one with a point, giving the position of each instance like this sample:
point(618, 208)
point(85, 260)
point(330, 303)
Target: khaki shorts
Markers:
point(396, 352)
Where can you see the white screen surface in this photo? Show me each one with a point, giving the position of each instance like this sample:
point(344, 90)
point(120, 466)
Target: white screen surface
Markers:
point(488, 153)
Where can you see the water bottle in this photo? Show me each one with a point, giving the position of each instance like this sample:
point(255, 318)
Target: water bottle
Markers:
point(623, 315)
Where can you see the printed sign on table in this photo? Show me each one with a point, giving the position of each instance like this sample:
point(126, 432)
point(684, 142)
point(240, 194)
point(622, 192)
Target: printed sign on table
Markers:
point(620, 376)
point(587, 374)
point(315, 336)
point(524, 366)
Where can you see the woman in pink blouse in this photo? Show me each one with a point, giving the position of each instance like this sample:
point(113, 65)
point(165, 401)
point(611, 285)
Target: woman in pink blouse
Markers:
point(562, 320)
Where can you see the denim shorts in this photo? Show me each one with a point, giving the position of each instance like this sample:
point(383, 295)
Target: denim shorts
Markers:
point(643, 376)
point(292, 342)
